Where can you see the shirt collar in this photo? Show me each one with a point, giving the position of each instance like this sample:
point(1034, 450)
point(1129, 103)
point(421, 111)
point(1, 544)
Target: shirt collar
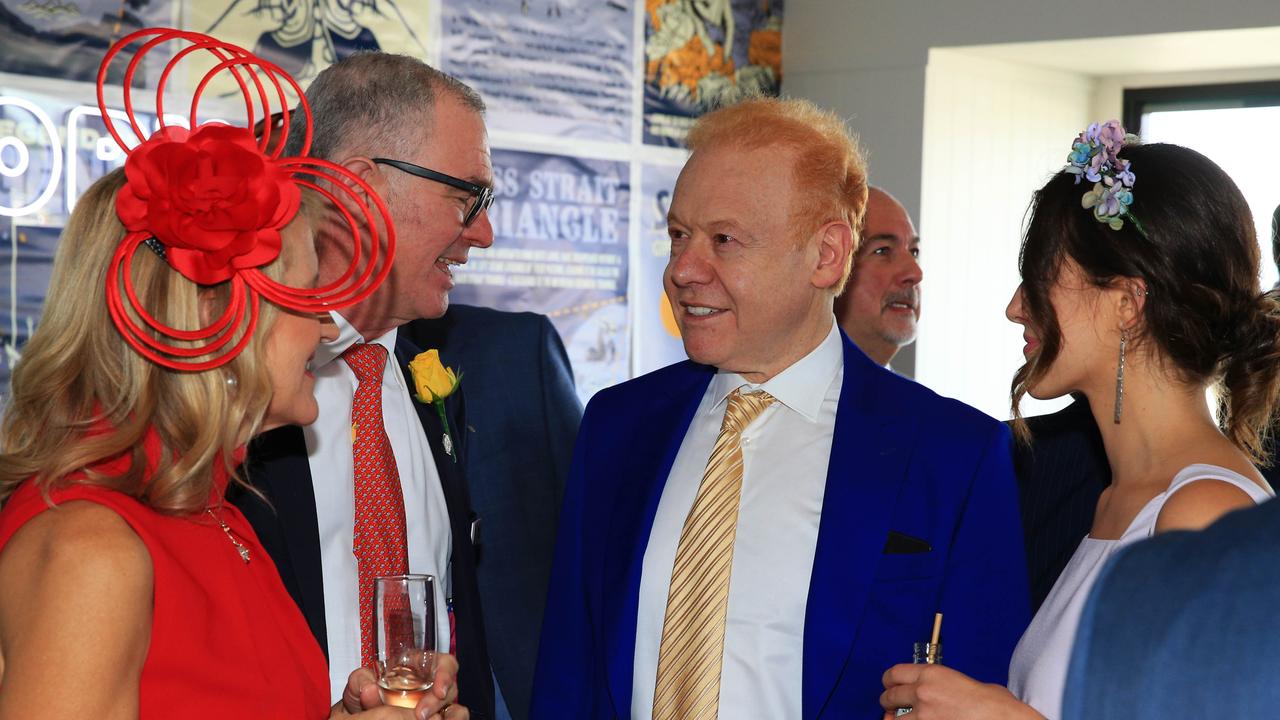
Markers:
point(801, 387)
point(327, 352)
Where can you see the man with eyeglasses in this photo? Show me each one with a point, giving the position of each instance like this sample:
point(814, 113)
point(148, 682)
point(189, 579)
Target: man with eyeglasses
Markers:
point(374, 487)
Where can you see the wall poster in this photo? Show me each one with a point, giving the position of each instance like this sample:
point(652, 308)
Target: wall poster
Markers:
point(560, 248)
point(556, 67)
point(658, 341)
point(586, 98)
point(700, 54)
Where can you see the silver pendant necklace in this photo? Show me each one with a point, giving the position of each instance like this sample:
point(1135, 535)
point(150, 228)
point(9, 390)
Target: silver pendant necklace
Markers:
point(240, 547)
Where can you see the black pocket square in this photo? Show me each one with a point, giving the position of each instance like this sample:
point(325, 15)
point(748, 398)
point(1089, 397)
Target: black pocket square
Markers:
point(900, 544)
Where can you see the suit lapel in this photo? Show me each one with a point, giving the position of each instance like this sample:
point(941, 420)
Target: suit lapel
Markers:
point(869, 456)
point(651, 450)
point(446, 464)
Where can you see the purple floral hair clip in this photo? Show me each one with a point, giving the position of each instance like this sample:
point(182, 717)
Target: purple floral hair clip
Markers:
point(1095, 156)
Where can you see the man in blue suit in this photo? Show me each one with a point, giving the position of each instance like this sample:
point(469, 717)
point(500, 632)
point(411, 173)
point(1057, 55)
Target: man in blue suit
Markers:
point(847, 504)
point(522, 416)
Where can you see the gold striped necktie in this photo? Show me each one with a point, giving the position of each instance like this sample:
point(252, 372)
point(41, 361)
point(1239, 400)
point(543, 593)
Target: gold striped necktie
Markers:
point(692, 649)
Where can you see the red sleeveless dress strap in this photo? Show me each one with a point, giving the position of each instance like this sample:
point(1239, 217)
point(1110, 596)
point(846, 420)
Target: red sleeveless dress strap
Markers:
point(226, 638)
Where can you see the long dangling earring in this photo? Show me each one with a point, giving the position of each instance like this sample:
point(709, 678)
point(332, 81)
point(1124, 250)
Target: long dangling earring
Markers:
point(1124, 340)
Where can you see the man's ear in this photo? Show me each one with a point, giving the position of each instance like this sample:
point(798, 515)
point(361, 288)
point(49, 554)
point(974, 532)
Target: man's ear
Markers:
point(369, 171)
point(835, 247)
point(1131, 301)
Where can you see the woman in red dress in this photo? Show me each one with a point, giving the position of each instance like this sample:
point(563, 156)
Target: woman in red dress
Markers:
point(128, 587)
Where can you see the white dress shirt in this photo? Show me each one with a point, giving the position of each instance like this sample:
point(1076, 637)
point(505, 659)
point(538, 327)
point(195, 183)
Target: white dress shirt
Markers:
point(329, 441)
point(785, 453)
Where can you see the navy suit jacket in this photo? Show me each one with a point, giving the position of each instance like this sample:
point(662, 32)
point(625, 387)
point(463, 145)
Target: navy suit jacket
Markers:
point(522, 416)
point(1060, 476)
point(287, 526)
point(902, 459)
point(1181, 626)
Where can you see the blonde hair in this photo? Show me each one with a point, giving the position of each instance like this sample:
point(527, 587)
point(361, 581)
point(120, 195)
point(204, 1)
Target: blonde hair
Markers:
point(82, 395)
point(829, 169)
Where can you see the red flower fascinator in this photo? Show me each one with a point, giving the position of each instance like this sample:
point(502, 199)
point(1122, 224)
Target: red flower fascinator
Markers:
point(214, 198)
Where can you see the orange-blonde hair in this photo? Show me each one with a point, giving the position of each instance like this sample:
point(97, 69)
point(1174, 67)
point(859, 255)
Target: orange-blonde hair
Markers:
point(830, 170)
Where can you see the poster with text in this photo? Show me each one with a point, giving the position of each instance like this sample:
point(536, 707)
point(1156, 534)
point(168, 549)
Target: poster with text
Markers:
point(657, 337)
point(560, 248)
point(67, 38)
point(555, 67)
point(304, 37)
point(700, 54)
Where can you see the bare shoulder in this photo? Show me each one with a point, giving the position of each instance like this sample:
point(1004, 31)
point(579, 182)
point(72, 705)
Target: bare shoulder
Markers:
point(51, 561)
point(81, 538)
point(1198, 504)
point(75, 581)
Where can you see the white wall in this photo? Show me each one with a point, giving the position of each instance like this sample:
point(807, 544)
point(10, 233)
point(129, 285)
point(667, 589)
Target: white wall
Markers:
point(855, 35)
point(866, 59)
point(993, 132)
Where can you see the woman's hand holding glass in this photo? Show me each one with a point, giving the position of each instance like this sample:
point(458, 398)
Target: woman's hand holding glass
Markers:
point(935, 692)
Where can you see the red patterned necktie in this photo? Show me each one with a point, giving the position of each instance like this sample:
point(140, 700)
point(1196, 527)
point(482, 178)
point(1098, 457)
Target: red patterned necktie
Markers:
point(380, 547)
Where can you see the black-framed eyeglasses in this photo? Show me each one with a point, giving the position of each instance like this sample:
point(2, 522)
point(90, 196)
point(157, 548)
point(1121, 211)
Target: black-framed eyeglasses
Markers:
point(482, 196)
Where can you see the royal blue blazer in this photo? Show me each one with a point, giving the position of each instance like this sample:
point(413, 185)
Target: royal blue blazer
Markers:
point(903, 461)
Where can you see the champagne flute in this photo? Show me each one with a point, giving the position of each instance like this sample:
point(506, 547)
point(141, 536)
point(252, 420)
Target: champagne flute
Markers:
point(406, 627)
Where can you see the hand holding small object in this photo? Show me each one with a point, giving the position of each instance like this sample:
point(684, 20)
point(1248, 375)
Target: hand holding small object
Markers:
point(935, 692)
point(361, 696)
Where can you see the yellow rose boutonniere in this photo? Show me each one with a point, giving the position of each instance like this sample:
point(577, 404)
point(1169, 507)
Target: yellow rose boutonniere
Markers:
point(432, 383)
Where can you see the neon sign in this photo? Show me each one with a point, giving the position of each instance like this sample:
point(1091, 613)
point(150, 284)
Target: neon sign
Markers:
point(19, 147)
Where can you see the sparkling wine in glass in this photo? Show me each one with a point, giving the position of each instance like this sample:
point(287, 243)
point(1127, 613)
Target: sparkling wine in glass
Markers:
point(406, 627)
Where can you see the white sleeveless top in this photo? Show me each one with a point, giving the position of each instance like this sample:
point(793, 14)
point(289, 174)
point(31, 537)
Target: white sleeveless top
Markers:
point(1038, 670)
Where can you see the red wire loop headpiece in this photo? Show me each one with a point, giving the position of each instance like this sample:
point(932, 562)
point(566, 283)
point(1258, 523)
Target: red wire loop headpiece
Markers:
point(216, 198)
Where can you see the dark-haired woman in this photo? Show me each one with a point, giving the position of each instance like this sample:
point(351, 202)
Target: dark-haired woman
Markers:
point(1139, 289)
